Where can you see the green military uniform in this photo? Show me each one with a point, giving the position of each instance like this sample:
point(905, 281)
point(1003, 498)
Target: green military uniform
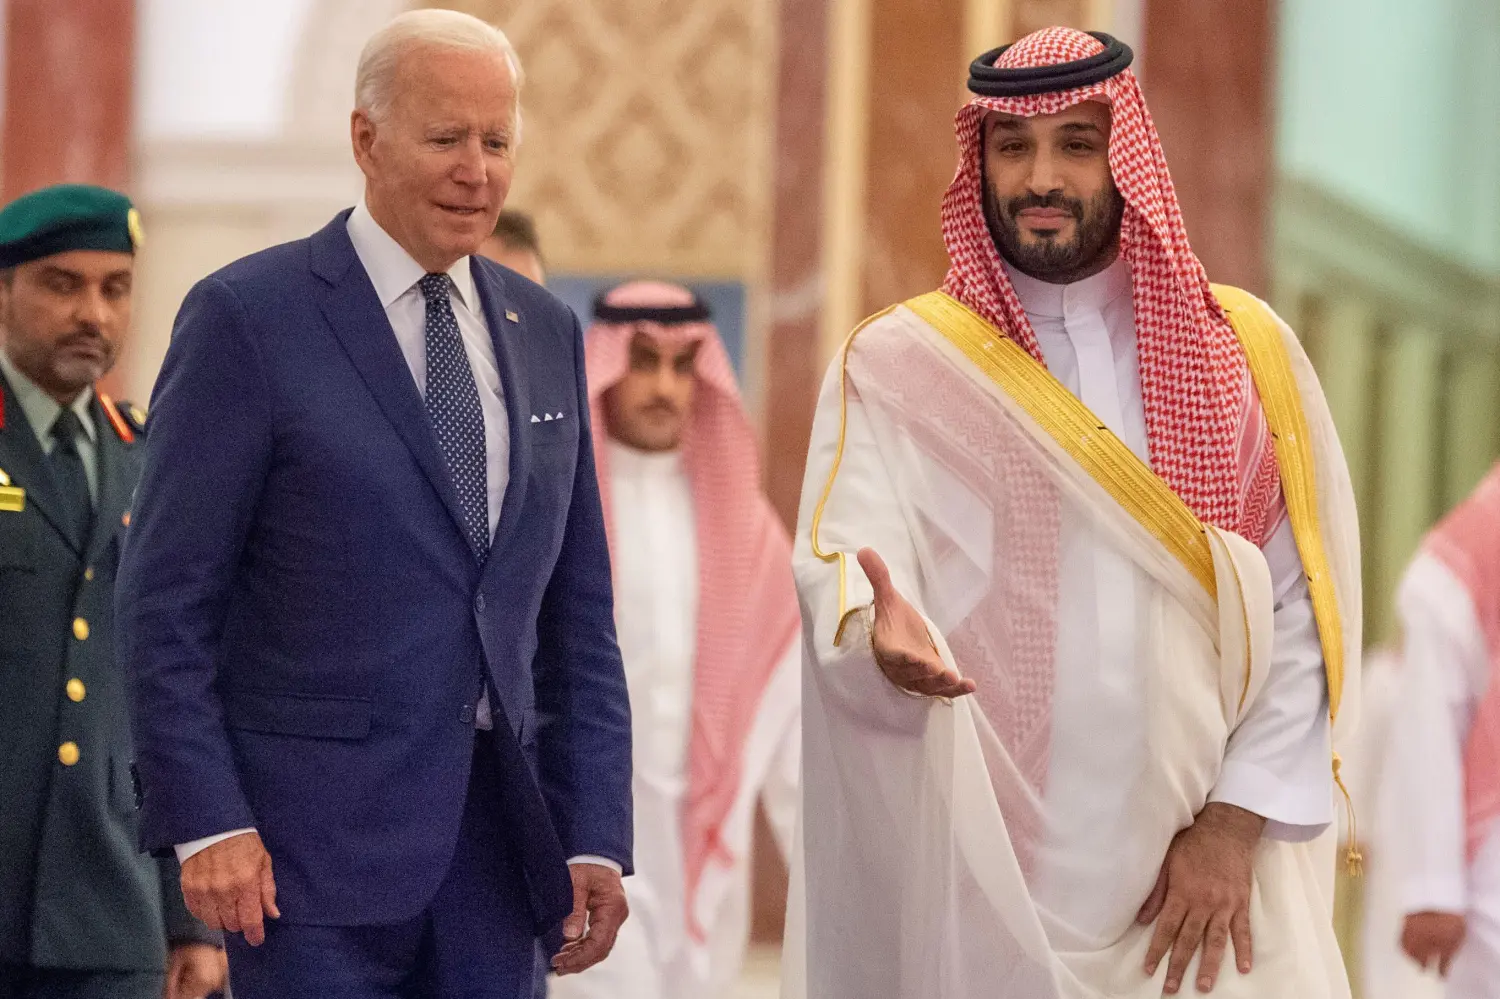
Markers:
point(76, 893)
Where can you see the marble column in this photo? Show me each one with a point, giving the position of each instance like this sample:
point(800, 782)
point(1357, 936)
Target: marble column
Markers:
point(914, 87)
point(793, 361)
point(69, 69)
point(1409, 481)
point(1471, 400)
point(793, 358)
point(1209, 87)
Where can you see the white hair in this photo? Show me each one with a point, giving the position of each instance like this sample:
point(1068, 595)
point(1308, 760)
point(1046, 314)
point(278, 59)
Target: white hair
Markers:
point(450, 29)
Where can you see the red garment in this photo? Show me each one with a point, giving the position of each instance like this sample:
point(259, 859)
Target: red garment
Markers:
point(1467, 541)
point(747, 603)
point(1208, 436)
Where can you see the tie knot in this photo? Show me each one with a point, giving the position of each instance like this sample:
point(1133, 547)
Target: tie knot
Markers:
point(67, 427)
point(434, 287)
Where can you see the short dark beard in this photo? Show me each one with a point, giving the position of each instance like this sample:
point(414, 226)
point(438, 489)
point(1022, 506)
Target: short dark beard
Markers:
point(1094, 245)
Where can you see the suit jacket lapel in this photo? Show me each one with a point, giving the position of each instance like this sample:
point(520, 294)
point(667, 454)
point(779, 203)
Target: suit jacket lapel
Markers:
point(504, 336)
point(24, 461)
point(353, 311)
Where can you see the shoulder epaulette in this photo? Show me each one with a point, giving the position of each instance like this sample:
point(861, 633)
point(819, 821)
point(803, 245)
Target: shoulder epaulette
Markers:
point(125, 427)
point(134, 415)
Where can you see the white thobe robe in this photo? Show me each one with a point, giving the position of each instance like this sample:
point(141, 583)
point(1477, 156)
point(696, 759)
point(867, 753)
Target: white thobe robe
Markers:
point(943, 852)
point(1445, 673)
point(1277, 763)
point(653, 546)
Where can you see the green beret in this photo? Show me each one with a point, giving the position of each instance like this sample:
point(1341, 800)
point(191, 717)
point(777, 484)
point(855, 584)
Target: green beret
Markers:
point(67, 217)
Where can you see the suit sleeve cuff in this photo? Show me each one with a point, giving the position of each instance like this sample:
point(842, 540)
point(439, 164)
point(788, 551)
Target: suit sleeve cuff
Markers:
point(588, 858)
point(186, 850)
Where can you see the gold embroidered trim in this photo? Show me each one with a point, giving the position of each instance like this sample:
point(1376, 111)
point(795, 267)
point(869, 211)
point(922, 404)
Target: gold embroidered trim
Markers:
point(840, 558)
point(1271, 369)
point(1128, 479)
point(1282, 400)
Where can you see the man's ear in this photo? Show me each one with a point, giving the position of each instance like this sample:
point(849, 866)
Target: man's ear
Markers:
point(361, 136)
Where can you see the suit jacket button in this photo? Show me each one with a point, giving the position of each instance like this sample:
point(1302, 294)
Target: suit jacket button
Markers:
point(80, 629)
point(88, 574)
point(479, 604)
point(67, 753)
point(76, 690)
point(466, 715)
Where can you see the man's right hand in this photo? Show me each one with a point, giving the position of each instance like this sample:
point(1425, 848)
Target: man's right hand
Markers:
point(903, 648)
point(229, 886)
point(1432, 938)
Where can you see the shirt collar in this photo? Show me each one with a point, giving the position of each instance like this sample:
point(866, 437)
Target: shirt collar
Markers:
point(392, 270)
point(41, 409)
point(1057, 300)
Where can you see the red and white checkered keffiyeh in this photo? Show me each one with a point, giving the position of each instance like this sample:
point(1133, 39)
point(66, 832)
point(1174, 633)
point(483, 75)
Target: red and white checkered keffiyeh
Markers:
point(1467, 541)
point(747, 603)
point(1208, 436)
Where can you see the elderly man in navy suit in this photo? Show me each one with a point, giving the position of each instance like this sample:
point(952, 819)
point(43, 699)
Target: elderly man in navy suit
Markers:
point(365, 600)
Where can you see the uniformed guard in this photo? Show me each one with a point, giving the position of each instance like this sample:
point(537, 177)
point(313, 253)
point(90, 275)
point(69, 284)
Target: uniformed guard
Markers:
point(83, 913)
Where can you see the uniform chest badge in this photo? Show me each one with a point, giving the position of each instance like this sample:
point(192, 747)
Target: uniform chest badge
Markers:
point(12, 498)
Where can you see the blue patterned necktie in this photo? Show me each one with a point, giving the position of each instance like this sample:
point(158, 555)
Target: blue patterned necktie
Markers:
point(453, 407)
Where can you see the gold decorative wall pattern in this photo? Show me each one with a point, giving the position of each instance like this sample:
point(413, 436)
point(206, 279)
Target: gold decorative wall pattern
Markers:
point(647, 143)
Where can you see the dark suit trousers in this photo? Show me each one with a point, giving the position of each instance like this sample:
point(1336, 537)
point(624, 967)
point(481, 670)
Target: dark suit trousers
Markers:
point(473, 942)
point(19, 982)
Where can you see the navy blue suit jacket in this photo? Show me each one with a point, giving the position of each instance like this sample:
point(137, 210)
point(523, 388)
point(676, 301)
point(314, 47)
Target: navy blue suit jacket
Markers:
point(305, 628)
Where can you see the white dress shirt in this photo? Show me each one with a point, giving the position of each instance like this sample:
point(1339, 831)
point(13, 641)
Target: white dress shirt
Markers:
point(1445, 672)
point(395, 275)
point(1277, 763)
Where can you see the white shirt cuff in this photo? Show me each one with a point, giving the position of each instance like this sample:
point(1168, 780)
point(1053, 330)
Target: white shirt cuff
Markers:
point(588, 858)
point(186, 850)
point(1433, 894)
point(1293, 813)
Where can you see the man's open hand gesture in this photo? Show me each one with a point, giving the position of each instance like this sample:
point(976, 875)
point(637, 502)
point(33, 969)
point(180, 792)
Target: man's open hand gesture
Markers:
point(903, 648)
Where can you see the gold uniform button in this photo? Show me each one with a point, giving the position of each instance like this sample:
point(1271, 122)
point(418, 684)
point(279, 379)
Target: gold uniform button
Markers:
point(76, 690)
point(88, 574)
point(67, 753)
point(80, 629)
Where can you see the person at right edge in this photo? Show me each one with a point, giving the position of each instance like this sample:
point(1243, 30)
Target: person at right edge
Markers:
point(1444, 755)
point(1078, 562)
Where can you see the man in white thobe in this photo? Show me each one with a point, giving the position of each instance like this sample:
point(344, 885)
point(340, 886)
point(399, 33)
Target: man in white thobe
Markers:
point(707, 620)
point(1025, 465)
point(1444, 758)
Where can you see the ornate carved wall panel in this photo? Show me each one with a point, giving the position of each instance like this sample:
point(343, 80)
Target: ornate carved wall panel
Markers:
point(647, 136)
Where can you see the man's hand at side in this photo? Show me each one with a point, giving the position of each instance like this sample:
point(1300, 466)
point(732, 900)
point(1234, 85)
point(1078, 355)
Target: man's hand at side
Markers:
point(1433, 938)
point(229, 886)
point(599, 909)
point(903, 648)
point(194, 970)
point(1202, 896)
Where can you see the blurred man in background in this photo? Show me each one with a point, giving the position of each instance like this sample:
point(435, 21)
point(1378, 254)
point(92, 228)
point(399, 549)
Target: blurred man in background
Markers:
point(514, 244)
point(83, 913)
point(707, 618)
point(1444, 759)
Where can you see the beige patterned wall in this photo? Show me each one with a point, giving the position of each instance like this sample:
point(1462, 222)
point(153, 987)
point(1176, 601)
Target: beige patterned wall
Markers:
point(648, 124)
